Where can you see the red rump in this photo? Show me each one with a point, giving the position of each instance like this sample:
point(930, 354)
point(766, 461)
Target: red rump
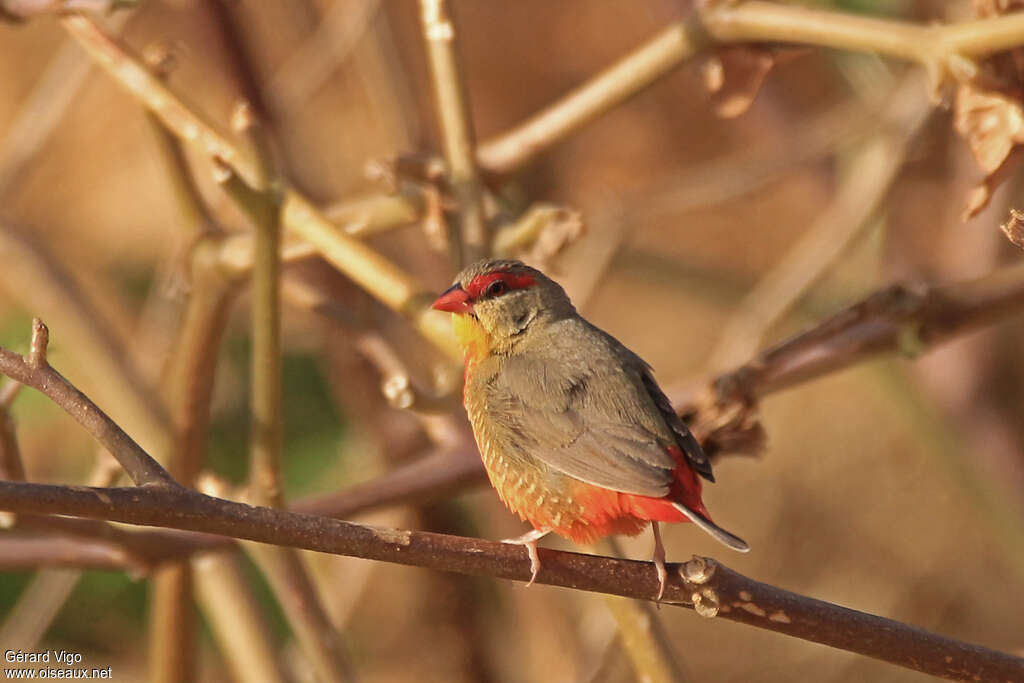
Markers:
point(612, 512)
point(685, 489)
point(478, 286)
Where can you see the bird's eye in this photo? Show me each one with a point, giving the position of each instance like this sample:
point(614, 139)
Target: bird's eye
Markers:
point(497, 288)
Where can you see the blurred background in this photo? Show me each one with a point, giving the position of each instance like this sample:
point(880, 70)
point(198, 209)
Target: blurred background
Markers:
point(895, 487)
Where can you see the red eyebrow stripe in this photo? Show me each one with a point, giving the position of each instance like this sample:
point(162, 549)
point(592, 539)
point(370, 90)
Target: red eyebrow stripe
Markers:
point(480, 283)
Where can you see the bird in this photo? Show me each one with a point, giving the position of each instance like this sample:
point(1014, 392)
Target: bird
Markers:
point(575, 434)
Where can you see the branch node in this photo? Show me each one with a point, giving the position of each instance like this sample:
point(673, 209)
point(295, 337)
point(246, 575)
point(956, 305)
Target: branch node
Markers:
point(222, 172)
point(160, 58)
point(242, 117)
point(37, 348)
point(705, 602)
point(699, 570)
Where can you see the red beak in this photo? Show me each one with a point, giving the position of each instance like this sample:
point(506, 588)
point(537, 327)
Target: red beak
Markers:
point(454, 300)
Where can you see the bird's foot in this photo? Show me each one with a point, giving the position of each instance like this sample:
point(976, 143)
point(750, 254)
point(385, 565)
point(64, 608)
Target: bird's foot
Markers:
point(529, 540)
point(659, 562)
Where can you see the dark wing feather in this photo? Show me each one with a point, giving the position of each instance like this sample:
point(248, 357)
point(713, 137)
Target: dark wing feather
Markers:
point(587, 415)
point(691, 448)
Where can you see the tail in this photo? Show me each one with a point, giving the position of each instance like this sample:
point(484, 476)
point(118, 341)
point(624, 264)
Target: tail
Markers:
point(716, 532)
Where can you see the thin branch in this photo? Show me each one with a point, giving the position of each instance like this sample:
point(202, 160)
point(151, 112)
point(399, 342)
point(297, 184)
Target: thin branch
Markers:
point(873, 168)
point(712, 589)
point(369, 215)
point(42, 599)
point(283, 567)
point(172, 626)
point(341, 29)
point(37, 117)
point(266, 438)
point(397, 384)
point(21, 551)
point(641, 632)
point(933, 46)
point(141, 467)
point(11, 465)
point(469, 239)
point(930, 45)
point(370, 270)
point(628, 76)
point(366, 267)
point(236, 618)
point(189, 377)
point(904, 317)
point(179, 117)
point(43, 284)
point(24, 9)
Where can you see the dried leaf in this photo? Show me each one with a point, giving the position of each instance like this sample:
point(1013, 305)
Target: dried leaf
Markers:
point(725, 425)
point(989, 109)
point(1014, 228)
point(540, 234)
point(984, 9)
point(733, 76)
point(991, 122)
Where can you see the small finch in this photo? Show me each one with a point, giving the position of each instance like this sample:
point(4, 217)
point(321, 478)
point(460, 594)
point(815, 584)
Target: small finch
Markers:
point(576, 436)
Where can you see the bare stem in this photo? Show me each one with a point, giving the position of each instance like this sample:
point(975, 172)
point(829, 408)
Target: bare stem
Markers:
point(236, 618)
point(41, 600)
point(44, 285)
point(642, 634)
point(282, 567)
point(128, 70)
point(141, 467)
point(873, 168)
point(11, 465)
point(172, 636)
point(469, 239)
point(902, 317)
point(932, 46)
point(628, 76)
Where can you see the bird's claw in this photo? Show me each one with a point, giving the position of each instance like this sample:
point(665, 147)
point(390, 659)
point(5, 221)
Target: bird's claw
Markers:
point(529, 541)
point(662, 579)
point(659, 562)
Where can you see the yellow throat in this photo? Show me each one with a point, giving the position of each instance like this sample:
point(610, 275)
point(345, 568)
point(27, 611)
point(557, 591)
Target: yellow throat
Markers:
point(471, 335)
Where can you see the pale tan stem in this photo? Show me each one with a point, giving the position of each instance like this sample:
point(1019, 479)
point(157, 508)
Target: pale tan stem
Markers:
point(366, 267)
point(642, 634)
point(184, 120)
point(873, 168)
point(236, 618)
point(469, 238)
point(634, 72)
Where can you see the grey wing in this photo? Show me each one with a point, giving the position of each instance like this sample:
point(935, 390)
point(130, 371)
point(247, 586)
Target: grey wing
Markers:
point(610, 437)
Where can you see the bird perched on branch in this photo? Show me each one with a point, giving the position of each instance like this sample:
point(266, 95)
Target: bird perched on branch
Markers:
point(576, 436)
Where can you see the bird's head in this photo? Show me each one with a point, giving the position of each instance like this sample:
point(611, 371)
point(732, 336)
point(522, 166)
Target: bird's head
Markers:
point(496, 303)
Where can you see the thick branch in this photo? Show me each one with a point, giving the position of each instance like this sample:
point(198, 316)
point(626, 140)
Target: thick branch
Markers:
point(712, 589)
